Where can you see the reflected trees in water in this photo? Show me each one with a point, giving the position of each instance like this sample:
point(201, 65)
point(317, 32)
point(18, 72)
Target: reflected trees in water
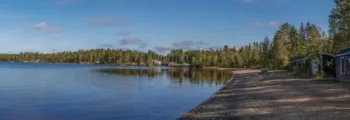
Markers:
point(178, 75)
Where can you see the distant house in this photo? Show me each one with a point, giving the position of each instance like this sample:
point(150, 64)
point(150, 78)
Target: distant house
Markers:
point(167, 63)
point(157, 62)
point(343, 65)
point(327, 63)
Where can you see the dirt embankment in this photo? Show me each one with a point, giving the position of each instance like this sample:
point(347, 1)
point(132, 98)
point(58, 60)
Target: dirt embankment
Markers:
point(275, 96)
point(237, 71)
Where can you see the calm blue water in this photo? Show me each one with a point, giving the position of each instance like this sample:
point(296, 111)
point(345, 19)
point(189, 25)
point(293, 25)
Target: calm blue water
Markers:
point(30, 91)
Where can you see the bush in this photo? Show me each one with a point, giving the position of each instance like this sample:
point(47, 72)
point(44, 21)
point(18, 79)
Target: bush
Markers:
point(320, 76)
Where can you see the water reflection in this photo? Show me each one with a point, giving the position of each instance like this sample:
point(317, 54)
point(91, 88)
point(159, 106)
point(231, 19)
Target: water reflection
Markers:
point(49, 91)
point(177, 75)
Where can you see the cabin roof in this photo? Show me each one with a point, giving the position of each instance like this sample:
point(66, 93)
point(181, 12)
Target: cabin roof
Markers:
point(344, 52)
point(306, 57)
point(298, 59)
point(327, 54)
point(321, 53)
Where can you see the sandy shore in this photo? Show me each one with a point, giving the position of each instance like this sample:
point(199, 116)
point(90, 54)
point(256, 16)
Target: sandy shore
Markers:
point(275, 96)
point(235, 70)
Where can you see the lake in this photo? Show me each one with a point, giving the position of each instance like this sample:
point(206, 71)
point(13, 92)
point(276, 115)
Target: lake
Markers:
point(33, 91)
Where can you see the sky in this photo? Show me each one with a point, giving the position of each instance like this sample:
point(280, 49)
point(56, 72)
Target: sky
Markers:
point(160, 25)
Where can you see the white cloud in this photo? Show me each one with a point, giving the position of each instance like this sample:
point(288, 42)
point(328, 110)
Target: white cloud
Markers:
point(41, 25)
point(274, 23)
point(270, 23)
point(186, 45)
point(130, 40)
point(183, 44)
point(46, 27)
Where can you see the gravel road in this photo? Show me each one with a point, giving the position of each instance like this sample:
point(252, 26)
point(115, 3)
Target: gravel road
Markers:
point(275, 96)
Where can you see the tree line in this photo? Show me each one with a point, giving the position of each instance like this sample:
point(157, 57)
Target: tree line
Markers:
point(289, 43)
point(93, 56)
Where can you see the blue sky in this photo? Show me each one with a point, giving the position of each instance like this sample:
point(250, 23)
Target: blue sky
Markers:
point(58, 25)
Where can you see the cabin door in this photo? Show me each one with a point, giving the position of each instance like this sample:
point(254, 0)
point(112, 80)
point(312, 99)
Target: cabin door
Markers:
point(314, 68)
point(342, 66)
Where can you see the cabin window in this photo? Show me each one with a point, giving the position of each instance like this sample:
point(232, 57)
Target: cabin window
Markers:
point(342, 65)
point(347, 63)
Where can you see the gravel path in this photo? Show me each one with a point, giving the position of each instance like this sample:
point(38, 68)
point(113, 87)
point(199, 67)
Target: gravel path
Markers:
point(275, 96)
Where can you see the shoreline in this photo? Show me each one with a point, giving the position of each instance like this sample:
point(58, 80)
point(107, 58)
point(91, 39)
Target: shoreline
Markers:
point(236, 72)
